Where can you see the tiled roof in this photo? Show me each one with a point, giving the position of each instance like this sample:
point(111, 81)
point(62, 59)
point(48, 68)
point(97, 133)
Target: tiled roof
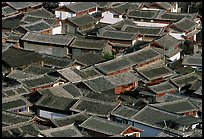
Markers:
point(70, 75)
point(93, 84)
point(175, 16)
point(143, 30)
point(16, 57)
point(10, 118)
point(184, 80)
point(52, 61)
point(122, 8)
point(7, 10)
point(167, 41)
point(82, 20)
point(20, 129)
point(11, 22)
point(162, 87)
point(185, 24)
point(102, 96)
point(124, 112)
point(64, 131)
point(37, 26)
point(39, 81)
point(13, 103)
point(155, 72)
point(91, 72)
point(117, 35)
point(113, 65)
point(38, 70)
point(146, 14)
point(33, 18)
point(177, 106)
point(55, 102)
point(50, 39)
point(192, 60)
point(67, 120)
point(93, 106)
point(92, 44)
point(123, 78)
point(143, 55)
point(89, 59)
point(120, 24)
point(41, 12)
point(104, 126)
point(80, 6)
point(22, 5)
point(17, 90)
point(18, 74)
point(14, 37)
point(157, 116)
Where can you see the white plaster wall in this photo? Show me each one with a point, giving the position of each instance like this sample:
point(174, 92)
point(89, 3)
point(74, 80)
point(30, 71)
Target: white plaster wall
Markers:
point(150, 24)
point(48, 114)
point(108, 18)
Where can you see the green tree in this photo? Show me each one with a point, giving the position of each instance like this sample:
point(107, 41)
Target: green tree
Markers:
point(108, 56)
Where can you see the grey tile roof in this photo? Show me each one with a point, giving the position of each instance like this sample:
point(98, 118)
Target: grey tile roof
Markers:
point(184, 80)
point(116, 35)
point(11, 22)
point(38, 70)
point(192, 60)
point(120, 24)
point(82, 20)
point(91, 44)
point(113, 65)
point(17, 90)
point(157, 116)
point(123, 78)
point(101, 96)
point(89, 59)
point(37, 26)
point(167, 41)
point(7, 10)
point(124, 112)
point(99, 84)
point(10, 118)
point(13, 103)
point(41, 12)
point(163, 87)
point(64, 131)
point(187, 120)
point(91, 72)
point(67, 120)
point(155, 72)
point(63, 40)
point(16, 57)
point(93, 106)
point(177, 106)
point(18, 74)
point(143, 55)
point(145, 14)
point(55, 102)
point(52, 61)
point(22, 5)
point(122, 8)
point(20, 129)
point(175, 16)
point(143, 30)
point(104, 126)
point(70, 75)
point(80, 6)
point(185, 24)
point(39, 81)
point(33, 18)
point(14, 37)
